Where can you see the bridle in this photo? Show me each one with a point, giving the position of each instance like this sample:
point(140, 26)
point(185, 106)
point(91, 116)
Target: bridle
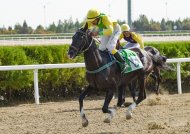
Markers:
point(84, 43)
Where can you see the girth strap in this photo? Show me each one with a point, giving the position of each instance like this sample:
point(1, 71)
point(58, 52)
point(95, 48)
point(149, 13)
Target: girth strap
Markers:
point(101, 68)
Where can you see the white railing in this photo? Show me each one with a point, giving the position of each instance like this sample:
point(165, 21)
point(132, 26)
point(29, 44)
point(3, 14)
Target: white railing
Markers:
point(77, 65)
point(30, 39)
point(178, 61)
point(36, 68)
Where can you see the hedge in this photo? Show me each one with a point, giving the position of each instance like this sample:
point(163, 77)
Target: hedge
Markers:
point(53, 83)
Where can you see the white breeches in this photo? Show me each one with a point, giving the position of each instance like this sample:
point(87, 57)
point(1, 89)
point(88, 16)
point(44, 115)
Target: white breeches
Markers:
point(130, 45)
point(109, 42)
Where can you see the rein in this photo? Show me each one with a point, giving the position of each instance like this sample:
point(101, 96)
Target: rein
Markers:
point(86, 42)
point(89, 44)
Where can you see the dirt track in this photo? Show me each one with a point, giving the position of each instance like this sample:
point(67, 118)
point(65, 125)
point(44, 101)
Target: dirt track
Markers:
point(164, 114)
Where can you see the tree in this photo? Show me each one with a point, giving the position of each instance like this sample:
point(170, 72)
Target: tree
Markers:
point(65, 26)
point(60, 27)
point(77, 24)
point(18, 28)
point(25, 29)
point(52, 28)
point(169, 25)
point(154, 26)
point(40, 30)
point(186, 24)
point(163, 24)
point(178, 24)
point(142, 24)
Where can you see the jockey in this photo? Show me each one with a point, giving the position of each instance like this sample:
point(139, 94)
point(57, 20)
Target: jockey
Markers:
point(133, 39)
point(108, 30)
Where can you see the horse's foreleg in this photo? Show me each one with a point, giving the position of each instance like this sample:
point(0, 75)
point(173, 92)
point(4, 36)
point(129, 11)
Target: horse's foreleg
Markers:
point(81, 98)
point(105, 109)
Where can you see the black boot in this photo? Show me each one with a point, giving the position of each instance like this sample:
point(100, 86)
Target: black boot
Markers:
point(142, 57)
point(121, 60)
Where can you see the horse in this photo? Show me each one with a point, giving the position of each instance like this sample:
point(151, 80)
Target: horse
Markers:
point(103, 72)
point(159, 62)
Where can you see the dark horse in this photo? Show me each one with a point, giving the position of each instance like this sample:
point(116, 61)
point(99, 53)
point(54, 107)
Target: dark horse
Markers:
point(103, 72)
point(159, 63)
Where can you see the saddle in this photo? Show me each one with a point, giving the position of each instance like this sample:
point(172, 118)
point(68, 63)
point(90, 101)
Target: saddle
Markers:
point(131, 59)
point(141, 53)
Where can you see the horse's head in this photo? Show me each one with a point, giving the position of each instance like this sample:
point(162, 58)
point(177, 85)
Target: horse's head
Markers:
point(156, 56)
point(161, 61)
point(81, 41)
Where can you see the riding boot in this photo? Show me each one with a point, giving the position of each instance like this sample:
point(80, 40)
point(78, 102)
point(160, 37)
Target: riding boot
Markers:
point(121, 60)
point(140, 53)
point(143, 60)
point(142, 57)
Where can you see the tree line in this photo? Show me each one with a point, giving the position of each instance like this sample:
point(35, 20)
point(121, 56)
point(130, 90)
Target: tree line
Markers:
point(143, 24)
point(70, 26)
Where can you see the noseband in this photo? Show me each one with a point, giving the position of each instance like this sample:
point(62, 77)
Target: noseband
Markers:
point(85, 42)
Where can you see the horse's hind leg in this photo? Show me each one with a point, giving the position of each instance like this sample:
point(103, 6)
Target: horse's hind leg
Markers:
point(133, 89)
point(105, 109)
point(141, 97)
point(154, 77)
point(157, 79)
point(142, 92)
point(81, 98)
point(121, 96)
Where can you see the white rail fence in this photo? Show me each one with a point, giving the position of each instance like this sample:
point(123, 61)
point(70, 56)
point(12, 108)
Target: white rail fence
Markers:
point(77, 65)
point(6, 40)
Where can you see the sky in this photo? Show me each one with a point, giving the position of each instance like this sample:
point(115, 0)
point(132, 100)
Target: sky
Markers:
point(45, 12)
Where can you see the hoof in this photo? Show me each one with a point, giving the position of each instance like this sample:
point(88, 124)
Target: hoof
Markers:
point(126, 104)
point(107, 120)
point(110, 116)
point(84, 122)
point(128, 115)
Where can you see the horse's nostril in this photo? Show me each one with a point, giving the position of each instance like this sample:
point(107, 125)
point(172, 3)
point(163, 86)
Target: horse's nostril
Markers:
point(70, 54)
point(164, 58)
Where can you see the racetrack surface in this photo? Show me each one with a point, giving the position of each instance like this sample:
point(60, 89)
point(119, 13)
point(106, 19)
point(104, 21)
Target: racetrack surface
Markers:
point(163, 114)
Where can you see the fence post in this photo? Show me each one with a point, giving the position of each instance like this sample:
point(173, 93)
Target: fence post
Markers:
point(36, 90)
point(179, 78)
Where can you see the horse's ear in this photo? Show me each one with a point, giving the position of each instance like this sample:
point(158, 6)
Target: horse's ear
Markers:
point(86, 27)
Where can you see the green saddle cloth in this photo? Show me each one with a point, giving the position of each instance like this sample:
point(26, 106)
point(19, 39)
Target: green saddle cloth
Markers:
point(132, 60)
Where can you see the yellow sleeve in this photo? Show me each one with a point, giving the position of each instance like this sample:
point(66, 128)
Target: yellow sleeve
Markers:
point(108, 24)
point(121, 36)
point(138, 39)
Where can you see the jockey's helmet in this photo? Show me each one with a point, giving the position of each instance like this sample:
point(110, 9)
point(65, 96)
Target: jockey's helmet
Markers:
point(93, 14)
point(125, 27)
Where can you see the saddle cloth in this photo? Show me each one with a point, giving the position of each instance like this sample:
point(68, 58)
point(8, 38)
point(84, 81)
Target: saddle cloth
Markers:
point(132, 60)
